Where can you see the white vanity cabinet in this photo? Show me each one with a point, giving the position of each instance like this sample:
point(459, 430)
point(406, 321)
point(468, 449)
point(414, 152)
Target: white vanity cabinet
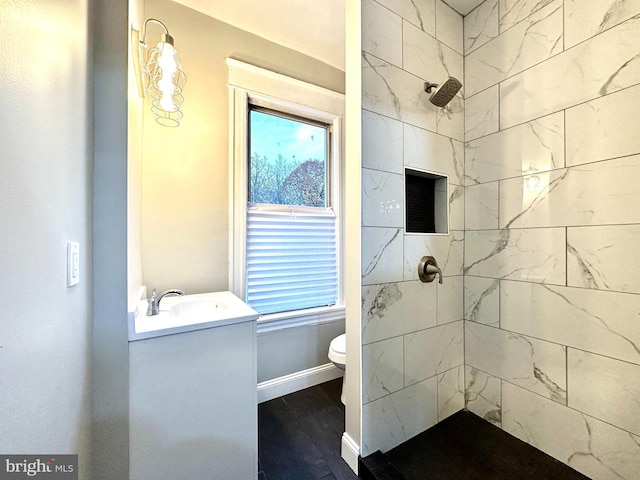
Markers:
point(193, 405)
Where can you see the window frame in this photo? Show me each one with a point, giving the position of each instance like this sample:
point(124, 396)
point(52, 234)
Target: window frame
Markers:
point(251, 85)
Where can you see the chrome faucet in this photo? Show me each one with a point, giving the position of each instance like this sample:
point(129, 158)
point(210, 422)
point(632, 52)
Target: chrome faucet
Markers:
point(154, 301)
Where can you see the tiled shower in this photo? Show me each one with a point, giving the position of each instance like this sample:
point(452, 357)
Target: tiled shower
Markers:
point(536, 327)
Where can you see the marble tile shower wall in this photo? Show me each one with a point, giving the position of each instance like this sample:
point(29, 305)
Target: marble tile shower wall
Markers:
point(413, 357)
point(552, 211)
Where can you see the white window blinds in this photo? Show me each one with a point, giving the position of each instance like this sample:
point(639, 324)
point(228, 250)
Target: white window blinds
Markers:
point(291, 258)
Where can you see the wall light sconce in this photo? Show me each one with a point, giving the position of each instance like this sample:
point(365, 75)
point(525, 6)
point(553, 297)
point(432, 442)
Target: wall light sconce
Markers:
point(161, 75)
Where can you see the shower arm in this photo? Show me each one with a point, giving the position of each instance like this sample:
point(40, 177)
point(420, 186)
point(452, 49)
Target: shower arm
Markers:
point(428, 86)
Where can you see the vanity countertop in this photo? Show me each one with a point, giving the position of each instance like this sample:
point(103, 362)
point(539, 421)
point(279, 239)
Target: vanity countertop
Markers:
point(179, 314)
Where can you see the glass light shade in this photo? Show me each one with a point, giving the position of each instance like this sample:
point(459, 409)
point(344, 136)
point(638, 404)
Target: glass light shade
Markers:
point(165, 83)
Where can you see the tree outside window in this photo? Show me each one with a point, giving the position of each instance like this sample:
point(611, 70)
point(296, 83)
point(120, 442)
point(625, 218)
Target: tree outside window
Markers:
point(288, 161)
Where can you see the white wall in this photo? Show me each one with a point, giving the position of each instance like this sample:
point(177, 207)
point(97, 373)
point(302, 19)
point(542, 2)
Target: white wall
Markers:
point(290, 350)
point(185, 238)
point(45, 193)
point(352, 386)
point(552, 291)
point(185, 191)
point(412, 332)
point(109, 368)
point(135, 100)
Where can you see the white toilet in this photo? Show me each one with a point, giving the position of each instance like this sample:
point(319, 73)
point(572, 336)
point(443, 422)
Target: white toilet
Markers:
point(338, 355)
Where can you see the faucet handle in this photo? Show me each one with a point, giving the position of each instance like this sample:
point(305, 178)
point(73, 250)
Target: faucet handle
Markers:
point(150, 302)
point(428, 269)
point(432, 269)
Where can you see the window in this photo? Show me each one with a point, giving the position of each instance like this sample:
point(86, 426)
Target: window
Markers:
point(285, 220)
point(287, 159)
point(291, 229)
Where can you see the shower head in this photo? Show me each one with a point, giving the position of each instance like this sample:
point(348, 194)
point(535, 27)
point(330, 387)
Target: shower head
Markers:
point(444, 93)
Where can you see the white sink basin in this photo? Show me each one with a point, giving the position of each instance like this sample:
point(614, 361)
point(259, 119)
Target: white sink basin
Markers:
point(188, 313)
point(191, 308)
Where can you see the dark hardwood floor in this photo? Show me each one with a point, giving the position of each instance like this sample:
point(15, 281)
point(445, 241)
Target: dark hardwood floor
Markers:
point(299, 435)
point(299, 438)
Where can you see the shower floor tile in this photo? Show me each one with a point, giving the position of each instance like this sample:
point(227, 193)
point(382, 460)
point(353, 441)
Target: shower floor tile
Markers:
point(465, 447)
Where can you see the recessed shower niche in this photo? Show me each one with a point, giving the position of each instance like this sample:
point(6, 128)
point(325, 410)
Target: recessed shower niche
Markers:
point(426, 202)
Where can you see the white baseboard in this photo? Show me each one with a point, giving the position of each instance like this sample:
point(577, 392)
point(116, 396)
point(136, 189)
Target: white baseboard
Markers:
point(297, 381)
point(350, 452)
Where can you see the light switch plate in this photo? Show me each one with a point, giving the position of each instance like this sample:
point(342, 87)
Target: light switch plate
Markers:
point(73, 263)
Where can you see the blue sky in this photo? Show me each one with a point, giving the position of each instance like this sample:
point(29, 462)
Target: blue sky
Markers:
point(272, 135)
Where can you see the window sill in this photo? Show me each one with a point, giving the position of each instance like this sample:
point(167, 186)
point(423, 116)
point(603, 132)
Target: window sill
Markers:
point(300, 318)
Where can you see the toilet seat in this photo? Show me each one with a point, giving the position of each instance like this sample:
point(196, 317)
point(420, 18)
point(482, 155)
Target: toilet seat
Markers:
point(338, 349)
